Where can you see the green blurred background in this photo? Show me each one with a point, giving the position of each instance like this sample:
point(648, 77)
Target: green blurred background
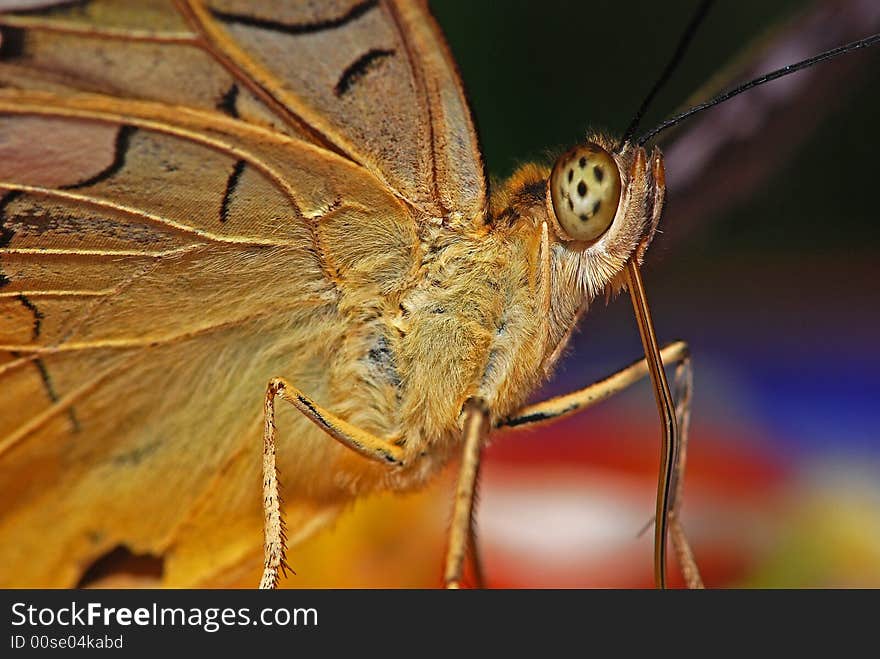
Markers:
point(541, 74)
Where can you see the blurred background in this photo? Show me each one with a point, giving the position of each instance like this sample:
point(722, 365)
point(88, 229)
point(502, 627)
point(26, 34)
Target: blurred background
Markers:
point(767, 265)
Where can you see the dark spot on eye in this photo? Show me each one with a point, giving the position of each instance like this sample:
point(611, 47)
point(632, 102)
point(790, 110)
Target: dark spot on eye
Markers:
point(570, 175)
point(596, 207)
point(582, 162)
point(584, 217)
point(570, 204)
point(582, 189)
point(598, 173)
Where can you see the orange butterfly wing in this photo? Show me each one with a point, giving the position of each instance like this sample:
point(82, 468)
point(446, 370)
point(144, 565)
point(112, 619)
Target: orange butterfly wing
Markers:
point(171, 239)
point(370, 80)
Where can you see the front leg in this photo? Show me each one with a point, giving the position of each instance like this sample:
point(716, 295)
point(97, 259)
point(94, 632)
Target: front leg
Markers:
point(562, 406)
point(461, 531)
point(362, 442)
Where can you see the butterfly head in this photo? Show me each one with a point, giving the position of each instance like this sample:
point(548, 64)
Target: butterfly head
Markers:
point(567, 234)
point(602, 204)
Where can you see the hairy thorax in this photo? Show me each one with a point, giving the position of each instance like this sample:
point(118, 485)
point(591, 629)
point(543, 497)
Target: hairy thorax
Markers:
point(471, 321)
point(466, 326)
point(458, 310)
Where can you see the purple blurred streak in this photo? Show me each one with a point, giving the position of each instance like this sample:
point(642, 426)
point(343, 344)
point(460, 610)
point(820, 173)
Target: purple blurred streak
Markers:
point(27, 5)
point(717, 160)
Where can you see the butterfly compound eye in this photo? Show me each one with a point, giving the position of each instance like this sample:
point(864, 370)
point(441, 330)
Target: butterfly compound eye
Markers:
point(585, 190)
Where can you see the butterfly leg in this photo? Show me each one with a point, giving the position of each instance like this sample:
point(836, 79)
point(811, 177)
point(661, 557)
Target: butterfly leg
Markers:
point(473, 546)
point(354, 438)
point(561, 406)
point(684, 386)
point(461, 531)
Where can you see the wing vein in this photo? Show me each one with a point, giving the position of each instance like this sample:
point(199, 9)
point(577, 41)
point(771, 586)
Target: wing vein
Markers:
point(63, 27)
point(237, 63)
point(424, 106)
point(58, 293)
point(157, 122)
point(59, 406)
point(55, 251)
point(146, 342)
point(134, 212)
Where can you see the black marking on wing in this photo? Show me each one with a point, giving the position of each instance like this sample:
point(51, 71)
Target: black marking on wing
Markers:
point(135, 456)
point(123, 141)
point(65, 5)
point(11, 42)
point(53, 395)
point(6, 233)
point(38, 316)
point(231, 184)
point(120, 560)
point(41, 365)
point(227, 101)
point(359, 68)
point(297, 28)
point(47, 380)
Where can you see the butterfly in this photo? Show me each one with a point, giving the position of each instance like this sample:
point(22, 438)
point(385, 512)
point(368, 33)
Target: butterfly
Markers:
point(291, 195)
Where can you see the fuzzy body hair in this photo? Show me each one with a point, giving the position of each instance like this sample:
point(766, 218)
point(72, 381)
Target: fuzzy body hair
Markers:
point(484, 310)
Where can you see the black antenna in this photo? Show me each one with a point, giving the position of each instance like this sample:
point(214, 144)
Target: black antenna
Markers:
point(767, 77)
point(683, 42)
